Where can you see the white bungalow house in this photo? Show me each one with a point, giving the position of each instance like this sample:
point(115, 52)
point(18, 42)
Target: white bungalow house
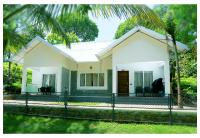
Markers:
point(135, 60)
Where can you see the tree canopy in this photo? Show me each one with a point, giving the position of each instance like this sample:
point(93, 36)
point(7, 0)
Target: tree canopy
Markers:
point(185, 18)
point(77, 27)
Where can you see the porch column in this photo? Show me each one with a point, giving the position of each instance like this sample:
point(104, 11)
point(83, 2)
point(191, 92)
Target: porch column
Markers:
point(59, 80)
point(114, 79)
point(24, 79)
point(167, 77)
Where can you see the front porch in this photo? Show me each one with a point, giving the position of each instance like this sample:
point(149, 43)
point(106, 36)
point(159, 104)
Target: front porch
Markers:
point(46, 80)
point(142, 79)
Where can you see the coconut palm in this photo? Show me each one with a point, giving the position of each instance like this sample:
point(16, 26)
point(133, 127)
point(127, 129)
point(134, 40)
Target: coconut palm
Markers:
point(45, 15)
point(170, 29)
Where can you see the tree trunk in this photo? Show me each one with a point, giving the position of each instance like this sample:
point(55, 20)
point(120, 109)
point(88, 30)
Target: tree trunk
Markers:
point(9, 69)
point(180, 101)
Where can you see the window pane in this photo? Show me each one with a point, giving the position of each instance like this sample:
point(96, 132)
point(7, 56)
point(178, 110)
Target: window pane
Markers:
point(138, 79)
point(52, 79)
point(148, 78)
point(82, 79)
point(95, 79)
point(101, 79)
point(89, 79)
point(45, 80)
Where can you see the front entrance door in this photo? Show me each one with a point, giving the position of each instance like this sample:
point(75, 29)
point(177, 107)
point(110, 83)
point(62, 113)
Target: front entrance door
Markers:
point(123, 83)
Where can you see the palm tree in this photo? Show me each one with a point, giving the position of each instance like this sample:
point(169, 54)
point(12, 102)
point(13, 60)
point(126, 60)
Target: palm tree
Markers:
point(45, 15)
point(170, 29)
point(12, 41)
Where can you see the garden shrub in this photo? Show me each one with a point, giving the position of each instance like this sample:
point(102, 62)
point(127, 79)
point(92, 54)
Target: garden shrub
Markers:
point(106, 114)
point(12, 89)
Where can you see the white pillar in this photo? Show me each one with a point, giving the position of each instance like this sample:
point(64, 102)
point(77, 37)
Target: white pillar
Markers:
point(24, 79)
point(114, 79)
point(167, 77)
point(59, 80)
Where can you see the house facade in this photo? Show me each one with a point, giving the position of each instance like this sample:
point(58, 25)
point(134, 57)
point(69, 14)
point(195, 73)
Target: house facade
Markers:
point(127, 66)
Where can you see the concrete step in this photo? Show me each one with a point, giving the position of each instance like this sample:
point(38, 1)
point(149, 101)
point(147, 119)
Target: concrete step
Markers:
point(143, 100)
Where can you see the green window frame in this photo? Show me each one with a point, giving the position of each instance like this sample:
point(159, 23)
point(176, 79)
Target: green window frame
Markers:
point(92, 79)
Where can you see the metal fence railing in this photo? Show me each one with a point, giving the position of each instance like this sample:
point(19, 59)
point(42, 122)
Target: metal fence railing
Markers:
point(107, 106)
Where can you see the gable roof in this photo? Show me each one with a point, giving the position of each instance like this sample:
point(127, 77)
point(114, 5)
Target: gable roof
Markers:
point(146, 31)
point(91, 51)
point(19, 57)
point(84, 51)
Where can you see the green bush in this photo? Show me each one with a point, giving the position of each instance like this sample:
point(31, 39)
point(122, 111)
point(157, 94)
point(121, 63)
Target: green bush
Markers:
point(189, 85)
point(12, 89)
point(13, 85)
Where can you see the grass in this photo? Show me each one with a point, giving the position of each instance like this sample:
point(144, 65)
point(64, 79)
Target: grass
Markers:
point(28, 124)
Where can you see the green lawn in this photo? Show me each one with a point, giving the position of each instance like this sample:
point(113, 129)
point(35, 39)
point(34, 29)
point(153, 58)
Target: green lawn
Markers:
point(28, 124)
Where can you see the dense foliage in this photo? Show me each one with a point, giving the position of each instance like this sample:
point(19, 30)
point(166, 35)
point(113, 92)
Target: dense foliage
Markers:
point(185, 17)
point(77, 27)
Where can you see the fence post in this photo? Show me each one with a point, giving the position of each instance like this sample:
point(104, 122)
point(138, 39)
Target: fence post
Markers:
point(26, 102)
point(170, 108)
point(65, 98)
point(113, 106)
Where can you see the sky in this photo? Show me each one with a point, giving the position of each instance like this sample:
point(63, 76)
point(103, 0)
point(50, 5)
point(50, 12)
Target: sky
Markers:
point(108, 27)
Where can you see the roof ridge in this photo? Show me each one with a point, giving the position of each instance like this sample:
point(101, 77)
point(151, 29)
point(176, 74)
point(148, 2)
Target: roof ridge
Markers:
point(94, 41)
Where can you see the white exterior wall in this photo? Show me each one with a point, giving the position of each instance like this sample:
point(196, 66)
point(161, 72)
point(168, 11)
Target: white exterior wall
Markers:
point(37, 75)
point(42, 56)
point(156, 67)
point(97, 67)
point(45, 60)
point(140, 48)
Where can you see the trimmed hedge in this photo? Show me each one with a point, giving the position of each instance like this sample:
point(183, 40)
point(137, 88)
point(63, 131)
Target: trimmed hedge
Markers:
point(186, 118)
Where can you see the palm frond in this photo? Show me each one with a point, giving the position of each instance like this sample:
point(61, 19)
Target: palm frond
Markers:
point(44, 16)
point(15, 12)
point(142, 12)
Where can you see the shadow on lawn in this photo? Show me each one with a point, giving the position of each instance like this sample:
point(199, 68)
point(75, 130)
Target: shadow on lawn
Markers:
point(27, 124)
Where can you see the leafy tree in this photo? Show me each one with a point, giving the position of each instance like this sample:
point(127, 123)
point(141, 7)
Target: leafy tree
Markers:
point(133, 22)
point(188, 63)
point(54, 38)
point(185, 18)
point(77, 27)
point(81, 25)
point(16, 34)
